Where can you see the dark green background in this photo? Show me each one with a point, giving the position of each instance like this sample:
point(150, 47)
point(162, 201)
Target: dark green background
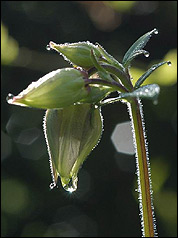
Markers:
point(105, 204)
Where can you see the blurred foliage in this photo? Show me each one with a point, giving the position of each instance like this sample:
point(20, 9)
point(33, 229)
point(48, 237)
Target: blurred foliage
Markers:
point(158, 179)
point(120, 6)
point(9, 47)
point(167, 205)
point(15, 197)
point(105, 204)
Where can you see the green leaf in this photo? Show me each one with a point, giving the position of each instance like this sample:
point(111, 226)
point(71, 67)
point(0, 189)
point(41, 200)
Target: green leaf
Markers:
point(150, 91)
point(137, 46)
point(148, 72)
point(135, 54)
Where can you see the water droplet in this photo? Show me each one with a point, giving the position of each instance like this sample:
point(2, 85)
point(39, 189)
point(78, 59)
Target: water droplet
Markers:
point(52, 185)
point(169, 63)
point(147, 54)
point(71, 186)
point(9, 98)
point(156, 31)
point(48, 47)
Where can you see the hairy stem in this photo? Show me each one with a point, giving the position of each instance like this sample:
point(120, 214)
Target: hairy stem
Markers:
point(113, 84)
point(143, 171)
point(124, 77)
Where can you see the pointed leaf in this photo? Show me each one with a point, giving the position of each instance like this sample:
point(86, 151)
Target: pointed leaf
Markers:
point(135, 54)
point(148, 72)
point(138, 45)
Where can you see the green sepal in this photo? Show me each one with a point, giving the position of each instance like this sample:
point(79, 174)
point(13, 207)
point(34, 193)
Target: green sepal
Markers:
point(110, 59)
point(76, 53)
point(71, 134)
point(57, 89)
point(101, 71)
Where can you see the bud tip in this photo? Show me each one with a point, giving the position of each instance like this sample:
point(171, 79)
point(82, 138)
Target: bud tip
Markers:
point(52, 44)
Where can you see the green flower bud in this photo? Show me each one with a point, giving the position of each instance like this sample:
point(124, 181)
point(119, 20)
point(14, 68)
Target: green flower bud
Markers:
point(71, 134)
point(57, 89)
point(77, 53)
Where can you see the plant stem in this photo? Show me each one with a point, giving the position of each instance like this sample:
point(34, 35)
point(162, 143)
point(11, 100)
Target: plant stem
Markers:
point(113, 84)
point(124, 77)
point(143, 171)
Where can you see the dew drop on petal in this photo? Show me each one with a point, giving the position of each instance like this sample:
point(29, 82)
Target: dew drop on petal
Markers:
point(48, 47)
point(52, 185)
point(156, 31)
point(9, 98)
point(169, 63)
point(147, 54)
point(72, 185)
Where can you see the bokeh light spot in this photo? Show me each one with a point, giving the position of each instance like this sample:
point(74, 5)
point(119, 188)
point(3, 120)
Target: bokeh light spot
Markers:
point(122, 138)
point(28, 136)
point(15, 197)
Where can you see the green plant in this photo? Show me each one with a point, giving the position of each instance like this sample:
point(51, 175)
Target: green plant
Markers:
point(73, 98)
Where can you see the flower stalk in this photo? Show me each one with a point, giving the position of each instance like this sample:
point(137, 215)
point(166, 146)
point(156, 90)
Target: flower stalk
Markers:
point(143, 170)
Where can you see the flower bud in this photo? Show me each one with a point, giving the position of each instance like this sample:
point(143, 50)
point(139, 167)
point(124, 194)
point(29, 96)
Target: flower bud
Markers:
point(57, 89)
point(77, 53)
point(71, 134)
